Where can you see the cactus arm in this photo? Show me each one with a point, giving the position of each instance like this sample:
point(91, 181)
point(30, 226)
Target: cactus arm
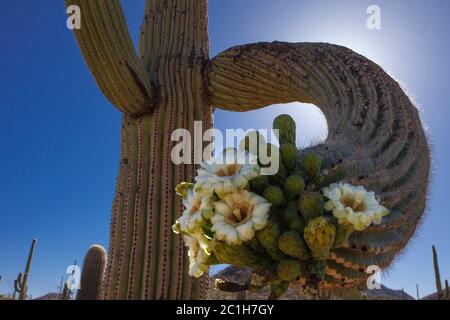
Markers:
point(374, 131)
point(107, 47)
point(18, 283)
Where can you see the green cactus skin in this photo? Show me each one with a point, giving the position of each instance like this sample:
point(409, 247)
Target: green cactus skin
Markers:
point(288, 154)
point(311, 205)
point(259, 183)
point(437, 274)
point(286, 125)
point(277, 289)
point(92, 274)
point(373, 130)
point(21, 283)
point(274, 195)
point(268, 237)
point(291, 243)
point(294, 186)
point(288, 269)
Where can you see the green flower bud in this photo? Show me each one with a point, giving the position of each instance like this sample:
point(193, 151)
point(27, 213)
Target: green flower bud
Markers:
point(255, 246)
point(274, 195)
point(288, 153)
point(268, 237)
point(279, 177)
point(292, 244)
point(286, 126)
point(294, 185)
point(311, 205)
point(311, 164)
point(319, 235)
point(288, 269)
point(235, 255)
point(259, 183)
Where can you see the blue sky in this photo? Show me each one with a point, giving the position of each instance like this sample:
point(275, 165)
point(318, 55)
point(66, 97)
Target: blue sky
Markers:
point(59, 137)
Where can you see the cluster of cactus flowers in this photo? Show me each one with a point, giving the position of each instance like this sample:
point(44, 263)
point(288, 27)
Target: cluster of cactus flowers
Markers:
point(283, 225)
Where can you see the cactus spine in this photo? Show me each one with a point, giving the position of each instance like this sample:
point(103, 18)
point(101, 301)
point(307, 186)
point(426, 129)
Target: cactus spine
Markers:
point(375, 134)
point(437, 274)
point(21, 283)
point(92, 275)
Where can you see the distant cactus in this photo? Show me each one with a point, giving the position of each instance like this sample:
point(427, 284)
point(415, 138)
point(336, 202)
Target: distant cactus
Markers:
point(65, 293)
point(437, 274)
point(446, 290)
point(92, 274)
point(21, 283)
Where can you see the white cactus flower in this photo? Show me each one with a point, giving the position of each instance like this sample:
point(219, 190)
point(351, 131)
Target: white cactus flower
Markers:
point(238, 215)
point(198, 252)
point(354, 205)
point(195, 203)
point(227, 173)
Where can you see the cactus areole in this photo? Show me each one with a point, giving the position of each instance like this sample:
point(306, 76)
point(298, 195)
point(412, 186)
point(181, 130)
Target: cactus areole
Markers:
point(375, 135)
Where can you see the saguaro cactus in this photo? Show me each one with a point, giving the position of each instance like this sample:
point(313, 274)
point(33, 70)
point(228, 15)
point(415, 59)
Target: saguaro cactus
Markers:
point(447, 293)
point(21, 283)
point(437, 274)
point(375, 135)
point(92, 275)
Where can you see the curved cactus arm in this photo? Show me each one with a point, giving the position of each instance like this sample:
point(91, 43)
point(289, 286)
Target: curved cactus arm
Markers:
point(375, 137)
point(18, 283)
point(107, 47)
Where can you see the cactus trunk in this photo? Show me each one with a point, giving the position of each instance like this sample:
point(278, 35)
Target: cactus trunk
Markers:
point(92, 275)
point(437, 274)
point(146, 261)
point(21, 283)
point(446, 290)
